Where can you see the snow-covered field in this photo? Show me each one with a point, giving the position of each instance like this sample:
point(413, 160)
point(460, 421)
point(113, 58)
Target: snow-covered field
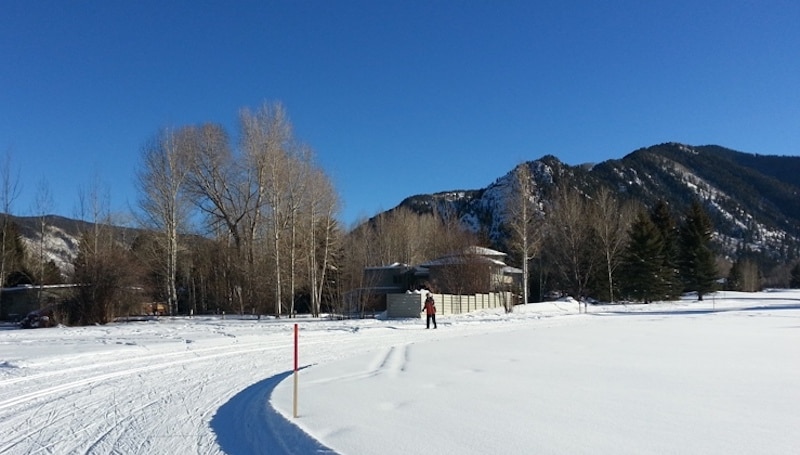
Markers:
point(715, 377)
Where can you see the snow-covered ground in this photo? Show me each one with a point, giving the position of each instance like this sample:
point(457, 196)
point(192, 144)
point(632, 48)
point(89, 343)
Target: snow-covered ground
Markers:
point(715, 377)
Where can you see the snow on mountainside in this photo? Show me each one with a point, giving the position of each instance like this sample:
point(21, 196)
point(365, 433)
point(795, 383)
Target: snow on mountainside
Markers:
point(753, 200)
point(61, 237)
point(59, 246)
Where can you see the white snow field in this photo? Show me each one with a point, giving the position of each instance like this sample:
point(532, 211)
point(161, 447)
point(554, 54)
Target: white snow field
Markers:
point(720, 376)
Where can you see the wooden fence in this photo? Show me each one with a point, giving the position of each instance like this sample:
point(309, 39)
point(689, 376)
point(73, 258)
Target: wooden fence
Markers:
point(409, 305)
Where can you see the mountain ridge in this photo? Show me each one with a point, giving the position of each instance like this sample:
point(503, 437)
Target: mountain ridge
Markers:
point(753, 200)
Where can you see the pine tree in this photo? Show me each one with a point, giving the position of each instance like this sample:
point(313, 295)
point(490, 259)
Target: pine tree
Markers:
point(643, 271)
point(15, 256)
point(665, 223)
point(697, 263)
point(795, 276)
point(735, 278)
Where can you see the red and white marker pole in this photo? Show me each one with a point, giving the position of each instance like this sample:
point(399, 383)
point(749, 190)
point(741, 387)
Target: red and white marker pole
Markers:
point(295, 370)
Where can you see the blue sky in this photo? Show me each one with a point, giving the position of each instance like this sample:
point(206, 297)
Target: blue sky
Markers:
point(396, 98)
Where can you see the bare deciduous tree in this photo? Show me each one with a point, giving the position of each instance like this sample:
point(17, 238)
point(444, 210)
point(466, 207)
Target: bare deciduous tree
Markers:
point(43, 203)
point(523, 222)
point(267, 139)
point(572, 240)
point(161, 183)
point(103, 270)
point(262, 209)
point(9, 191)
point(611, 224)
point(323, 235)
point(463, 273)
point(220, 188)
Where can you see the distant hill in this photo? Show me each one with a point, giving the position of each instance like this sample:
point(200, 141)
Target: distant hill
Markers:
point(62, 236)
point(753, 200)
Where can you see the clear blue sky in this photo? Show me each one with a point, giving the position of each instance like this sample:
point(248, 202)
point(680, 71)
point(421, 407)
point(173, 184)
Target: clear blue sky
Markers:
point(396, 98)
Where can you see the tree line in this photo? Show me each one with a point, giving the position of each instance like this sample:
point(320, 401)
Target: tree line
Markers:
point(612, 249)
point(230, 223)
point(247, 224)
point(267, 211)
point(241, 223)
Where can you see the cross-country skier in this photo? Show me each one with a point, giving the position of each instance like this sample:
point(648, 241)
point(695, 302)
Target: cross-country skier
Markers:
point(430, 311)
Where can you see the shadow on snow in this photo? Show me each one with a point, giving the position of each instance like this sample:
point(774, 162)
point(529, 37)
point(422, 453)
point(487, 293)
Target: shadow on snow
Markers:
point(248, 424)
point(789, 306)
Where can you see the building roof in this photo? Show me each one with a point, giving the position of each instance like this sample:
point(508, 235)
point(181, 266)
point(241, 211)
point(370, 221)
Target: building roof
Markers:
point(493, 257)
point(479, 251)
point(395, 265)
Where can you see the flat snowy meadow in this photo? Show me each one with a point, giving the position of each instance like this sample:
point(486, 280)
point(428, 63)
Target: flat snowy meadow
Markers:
point(721, 376)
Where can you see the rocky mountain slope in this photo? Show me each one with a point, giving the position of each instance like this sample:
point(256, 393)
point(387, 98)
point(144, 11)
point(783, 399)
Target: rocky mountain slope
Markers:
point(753, 200)
point(61, 237)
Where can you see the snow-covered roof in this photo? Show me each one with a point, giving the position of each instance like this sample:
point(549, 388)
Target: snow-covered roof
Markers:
point(395, 265)
point(455, 260)
point(477, 253)
point(482, 251)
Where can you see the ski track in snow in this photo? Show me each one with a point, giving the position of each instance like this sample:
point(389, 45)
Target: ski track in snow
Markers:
point(205, 389)
point(141, 383)
point(37, 405)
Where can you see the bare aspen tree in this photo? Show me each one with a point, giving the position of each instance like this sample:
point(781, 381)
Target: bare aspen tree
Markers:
point(612, 222)
point(257, 139)
point(357, 244)
point(161, 181)
point(322, 232)
point(446, 234)
point(400, 239)
point(571, 239)
point(522, 214)
point(302, 201)
point(93, 206)
point(9, 191)
point(257, 200)
point(43, 203)
point(751, 278)
point(213, 180)
point(407, 237)
point(102, 268)
point(424, 234)
point(300, 170)
point(266, 136)
point(222, 191)
point(462, 273)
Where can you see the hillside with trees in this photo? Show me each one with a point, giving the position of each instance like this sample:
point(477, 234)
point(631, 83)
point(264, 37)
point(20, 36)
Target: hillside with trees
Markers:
point(247, 224)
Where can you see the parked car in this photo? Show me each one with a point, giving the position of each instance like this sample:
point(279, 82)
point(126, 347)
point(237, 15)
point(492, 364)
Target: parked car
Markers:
point(38, 319)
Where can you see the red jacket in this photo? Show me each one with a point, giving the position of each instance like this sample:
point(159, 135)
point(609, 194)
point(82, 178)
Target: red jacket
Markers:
point(430, 307)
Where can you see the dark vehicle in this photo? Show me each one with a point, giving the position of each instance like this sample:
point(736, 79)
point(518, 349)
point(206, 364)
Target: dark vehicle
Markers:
point(38, 319)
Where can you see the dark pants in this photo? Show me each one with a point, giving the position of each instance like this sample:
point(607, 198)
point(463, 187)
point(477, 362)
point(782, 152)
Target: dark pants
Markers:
point(431, 317)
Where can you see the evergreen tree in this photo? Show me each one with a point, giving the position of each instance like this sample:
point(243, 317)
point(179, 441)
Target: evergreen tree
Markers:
point(665, 223)
point(15, 256)
point(697, 263)
point(795, 276)
point(643, 271)
point(735, 277)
